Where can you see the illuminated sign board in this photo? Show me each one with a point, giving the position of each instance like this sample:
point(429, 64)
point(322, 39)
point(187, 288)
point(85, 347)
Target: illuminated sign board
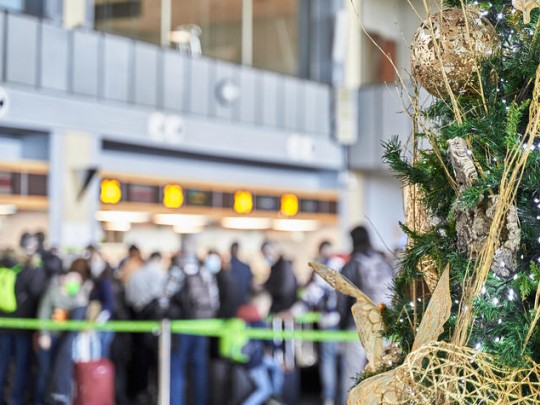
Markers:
point(142, 193)
point(198, 198)
point(173, 196)
point(289, 205)
point(267, 203)
point(111, 192)
point(243, 201)
point(5, 183)
point(309, 205)
point(19, 183)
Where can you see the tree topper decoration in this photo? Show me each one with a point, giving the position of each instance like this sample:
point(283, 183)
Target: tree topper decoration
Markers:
point(526, 6)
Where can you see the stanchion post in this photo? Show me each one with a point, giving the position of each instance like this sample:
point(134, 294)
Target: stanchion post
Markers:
point(165, 362)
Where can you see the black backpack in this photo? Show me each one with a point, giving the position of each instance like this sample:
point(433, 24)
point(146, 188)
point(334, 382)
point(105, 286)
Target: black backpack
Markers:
point(196, 296)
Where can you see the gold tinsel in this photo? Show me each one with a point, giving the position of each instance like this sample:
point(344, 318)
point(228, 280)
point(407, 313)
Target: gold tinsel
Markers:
point(444, 373)
point(446, 49)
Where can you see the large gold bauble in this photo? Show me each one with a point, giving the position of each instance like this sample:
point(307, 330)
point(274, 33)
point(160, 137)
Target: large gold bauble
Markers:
point(450, 43)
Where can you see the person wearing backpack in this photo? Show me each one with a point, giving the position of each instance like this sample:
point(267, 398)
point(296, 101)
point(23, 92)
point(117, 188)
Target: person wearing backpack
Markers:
point(192, 294)
point(371, 273)
point(20, 289)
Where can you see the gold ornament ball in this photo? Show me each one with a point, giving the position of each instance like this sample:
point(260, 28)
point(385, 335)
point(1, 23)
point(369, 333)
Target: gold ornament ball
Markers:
point(451, 42)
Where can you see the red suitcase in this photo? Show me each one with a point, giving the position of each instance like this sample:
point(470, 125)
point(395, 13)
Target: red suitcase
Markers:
point(94, 381)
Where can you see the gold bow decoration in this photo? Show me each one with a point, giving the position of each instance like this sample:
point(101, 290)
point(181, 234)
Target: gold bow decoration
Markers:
point(526, 6)
point(367, 315)
point(389, 387)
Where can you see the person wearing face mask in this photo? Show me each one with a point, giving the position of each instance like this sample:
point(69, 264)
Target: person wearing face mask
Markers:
point(16, 345)
point(101, 296)
point(229, 299)
point(190, 293)
point(281, 283)
point(145, 287)
point(229, 302)
point(66, 298)
point(282, 287)
point(143, 290)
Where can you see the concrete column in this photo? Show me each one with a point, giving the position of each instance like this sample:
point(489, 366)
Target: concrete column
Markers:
point(166, 23)
point(353, 56)
point(55, 182)
point(71, 216)
point(247, 32)
point(352, 206)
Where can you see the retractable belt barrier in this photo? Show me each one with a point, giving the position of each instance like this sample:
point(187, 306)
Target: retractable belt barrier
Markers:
point(206, 327)
point(233, 333)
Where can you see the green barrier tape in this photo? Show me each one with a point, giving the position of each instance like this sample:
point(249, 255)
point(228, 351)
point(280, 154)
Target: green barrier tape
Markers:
point(234, 330)
point(308, 317)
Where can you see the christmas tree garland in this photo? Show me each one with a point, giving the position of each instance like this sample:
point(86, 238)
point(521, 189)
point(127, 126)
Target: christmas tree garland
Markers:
point(467, 297)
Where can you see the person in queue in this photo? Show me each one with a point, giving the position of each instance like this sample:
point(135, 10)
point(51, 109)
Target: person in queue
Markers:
point(229, 302)
point(102, 293)
point(241, 273)
point(133, 262)
point(143, 290)
point(26, 289)
point(369, 270)
point(191, 293)
point(264, 371)
point(66, 298)
point(319, 296)
point(281, 283)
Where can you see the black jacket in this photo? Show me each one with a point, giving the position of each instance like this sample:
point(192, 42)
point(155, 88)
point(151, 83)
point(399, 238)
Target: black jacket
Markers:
point(282, 286)
point(346, 302)
point(229, 298)
point(243, 278)
point(30, 284)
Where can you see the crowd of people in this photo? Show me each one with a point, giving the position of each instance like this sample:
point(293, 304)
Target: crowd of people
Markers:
point(183, 287)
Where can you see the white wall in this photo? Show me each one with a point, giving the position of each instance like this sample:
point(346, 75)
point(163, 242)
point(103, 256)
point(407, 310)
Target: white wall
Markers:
point(13, 226)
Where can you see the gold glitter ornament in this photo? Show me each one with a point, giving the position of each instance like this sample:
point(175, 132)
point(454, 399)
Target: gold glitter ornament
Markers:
point(446, 48)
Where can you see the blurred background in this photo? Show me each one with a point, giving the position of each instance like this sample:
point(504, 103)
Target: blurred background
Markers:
point(138, 122)
point(134, 121)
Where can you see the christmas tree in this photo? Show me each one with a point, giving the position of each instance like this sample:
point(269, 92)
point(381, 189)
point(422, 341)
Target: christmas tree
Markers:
point(467, 295)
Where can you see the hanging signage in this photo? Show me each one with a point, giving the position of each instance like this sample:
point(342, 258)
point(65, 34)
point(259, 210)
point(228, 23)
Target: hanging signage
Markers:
point(309, 205)
point(198, 198)
point(5, 183)
point(289, 205)
point(267, 203)
point(142, 193)
point(175, 196)
point(111, 192)
point(243, 202)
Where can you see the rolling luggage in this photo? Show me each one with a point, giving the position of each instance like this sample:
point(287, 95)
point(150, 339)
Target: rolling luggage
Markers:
point(94, 382)
point(94, 376)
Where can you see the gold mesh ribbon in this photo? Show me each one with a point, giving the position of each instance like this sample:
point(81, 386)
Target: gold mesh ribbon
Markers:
point(442, 373)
